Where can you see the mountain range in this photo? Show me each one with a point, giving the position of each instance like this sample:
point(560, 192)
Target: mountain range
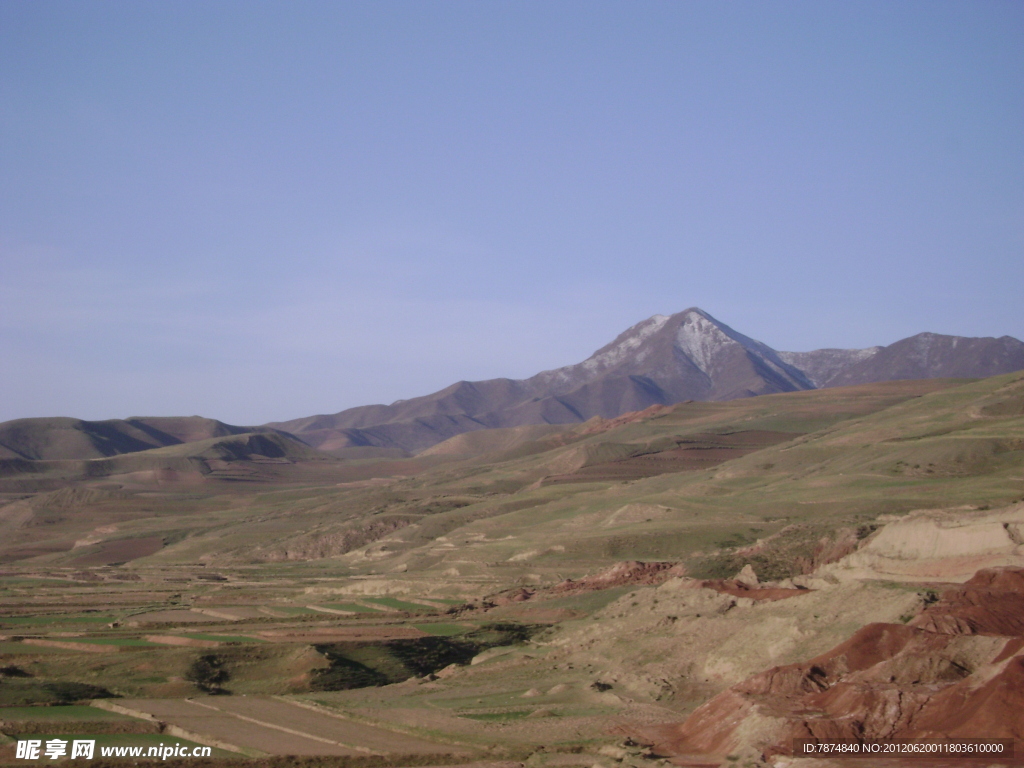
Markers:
point(663, 360)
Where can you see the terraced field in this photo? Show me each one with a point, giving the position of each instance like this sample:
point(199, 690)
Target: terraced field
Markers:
point(274, 727)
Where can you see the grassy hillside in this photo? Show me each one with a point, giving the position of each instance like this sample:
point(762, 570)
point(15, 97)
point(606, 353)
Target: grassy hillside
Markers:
point(691, 482)
point(64, 439)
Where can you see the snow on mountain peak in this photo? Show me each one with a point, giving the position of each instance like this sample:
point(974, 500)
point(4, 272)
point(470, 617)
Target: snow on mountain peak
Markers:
point(635, 337)
point(694, 333)
point(700, 338)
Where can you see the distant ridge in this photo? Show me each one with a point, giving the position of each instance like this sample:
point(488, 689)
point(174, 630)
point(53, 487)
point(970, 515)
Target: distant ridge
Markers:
point(931, 356)
point(61, 438)
point(254, 456)
point(662, 360)
point(659, 361)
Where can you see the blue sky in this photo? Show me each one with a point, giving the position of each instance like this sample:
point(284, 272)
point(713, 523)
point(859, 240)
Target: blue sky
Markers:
point(264, 210)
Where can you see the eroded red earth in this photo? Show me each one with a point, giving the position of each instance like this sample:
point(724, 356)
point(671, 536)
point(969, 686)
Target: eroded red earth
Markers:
point(954, 671)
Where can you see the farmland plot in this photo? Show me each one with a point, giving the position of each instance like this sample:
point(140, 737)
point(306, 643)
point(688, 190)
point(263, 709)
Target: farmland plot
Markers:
point(329, 726)
point(277, 727)
point(342, 634)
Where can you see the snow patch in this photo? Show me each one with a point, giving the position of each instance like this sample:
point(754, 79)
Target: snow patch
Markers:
point(820, 365)
point(620, 351)
point(701, 340)
point(578, 374)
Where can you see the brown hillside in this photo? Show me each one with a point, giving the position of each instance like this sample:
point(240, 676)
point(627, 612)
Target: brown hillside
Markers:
point(661, 361)
point(956, 671)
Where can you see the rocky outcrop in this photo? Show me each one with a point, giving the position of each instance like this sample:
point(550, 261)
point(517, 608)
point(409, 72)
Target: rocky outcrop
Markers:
point(946, 545)
point(632, 572)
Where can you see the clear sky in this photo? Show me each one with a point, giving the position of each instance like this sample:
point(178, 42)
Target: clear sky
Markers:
point(263, 210)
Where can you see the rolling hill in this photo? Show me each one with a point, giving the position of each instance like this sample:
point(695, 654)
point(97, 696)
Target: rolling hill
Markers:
point(61, 438)
point(244, 456)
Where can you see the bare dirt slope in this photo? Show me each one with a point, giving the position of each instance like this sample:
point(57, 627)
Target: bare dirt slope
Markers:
point(954, 671)
point(946, 545)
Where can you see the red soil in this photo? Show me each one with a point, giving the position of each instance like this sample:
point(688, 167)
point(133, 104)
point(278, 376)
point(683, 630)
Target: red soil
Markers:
point(342, 634)
point(990, 603)
point(887, 682)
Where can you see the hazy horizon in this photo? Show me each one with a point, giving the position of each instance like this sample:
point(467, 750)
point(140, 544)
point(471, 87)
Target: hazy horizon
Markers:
point(261, 212)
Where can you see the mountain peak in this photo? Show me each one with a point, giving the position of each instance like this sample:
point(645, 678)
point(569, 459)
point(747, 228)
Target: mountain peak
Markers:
point(694, 311)
point(689, 355)
point(701, 337)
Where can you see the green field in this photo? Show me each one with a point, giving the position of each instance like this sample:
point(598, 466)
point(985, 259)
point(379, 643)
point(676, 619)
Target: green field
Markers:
point(441, 629)
point(294, 610)
point(27, 691)
point(59, 713)
point(45, 621)
point(401, 605)
point(224, 638)
point(498, 717)
point(8, 647)
point(126, 642)
point(352, 607)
